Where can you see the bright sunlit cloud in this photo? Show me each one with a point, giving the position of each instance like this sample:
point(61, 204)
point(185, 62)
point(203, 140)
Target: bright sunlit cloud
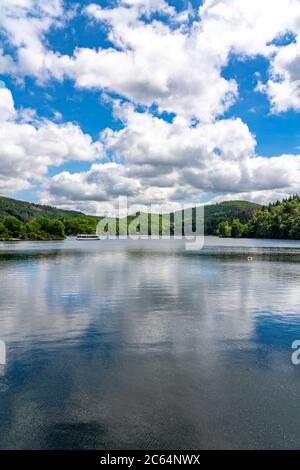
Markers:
point(149, 100)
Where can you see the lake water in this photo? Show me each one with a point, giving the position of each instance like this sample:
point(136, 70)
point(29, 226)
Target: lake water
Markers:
point(143, 345)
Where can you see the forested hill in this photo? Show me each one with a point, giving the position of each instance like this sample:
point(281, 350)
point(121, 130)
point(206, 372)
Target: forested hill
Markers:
point(226, 212)
point(28, 221)
point(280, 220)
point(25, 220)
point(25, 211)
point(214, 213)
point(20, 220)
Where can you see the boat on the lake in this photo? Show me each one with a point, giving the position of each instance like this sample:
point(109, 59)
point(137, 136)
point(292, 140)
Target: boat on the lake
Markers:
point(85, 236)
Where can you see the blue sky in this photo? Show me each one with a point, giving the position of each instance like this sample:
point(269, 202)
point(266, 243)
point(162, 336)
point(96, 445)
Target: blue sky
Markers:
point(162, 102)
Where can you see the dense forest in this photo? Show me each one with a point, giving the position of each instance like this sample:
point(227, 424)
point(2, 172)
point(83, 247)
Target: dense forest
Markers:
point(26, 221)
point(280, 220)
point(25, 211)
point(227, 211)
point(41, 228)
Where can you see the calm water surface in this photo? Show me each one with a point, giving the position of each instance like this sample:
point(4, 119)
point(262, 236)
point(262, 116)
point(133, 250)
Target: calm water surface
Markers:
point(139, 344)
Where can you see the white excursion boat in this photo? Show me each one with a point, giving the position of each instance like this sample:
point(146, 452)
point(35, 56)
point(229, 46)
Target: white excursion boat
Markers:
point(83, 236)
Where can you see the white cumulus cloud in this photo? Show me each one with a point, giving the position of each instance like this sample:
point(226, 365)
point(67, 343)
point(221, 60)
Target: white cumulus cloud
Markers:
point(159, 162)
point(174, 61)
point(159, 60)
point(28, 147)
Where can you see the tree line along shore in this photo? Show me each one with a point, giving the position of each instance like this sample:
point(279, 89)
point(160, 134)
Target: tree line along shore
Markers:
point(41, 228)
point(280, 220)
point(236, 219)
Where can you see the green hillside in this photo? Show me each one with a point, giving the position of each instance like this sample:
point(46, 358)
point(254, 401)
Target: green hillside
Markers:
point(25, 211)
point(228, 206)
point(214, 214)
point(227, 211)
point(38, 222)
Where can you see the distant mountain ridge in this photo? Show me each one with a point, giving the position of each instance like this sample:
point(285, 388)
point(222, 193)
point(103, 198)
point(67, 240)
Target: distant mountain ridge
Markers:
point(214, 213)
point(26, 211)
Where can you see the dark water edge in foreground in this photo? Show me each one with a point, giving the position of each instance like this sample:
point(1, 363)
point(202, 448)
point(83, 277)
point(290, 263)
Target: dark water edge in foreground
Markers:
point(143, 345)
